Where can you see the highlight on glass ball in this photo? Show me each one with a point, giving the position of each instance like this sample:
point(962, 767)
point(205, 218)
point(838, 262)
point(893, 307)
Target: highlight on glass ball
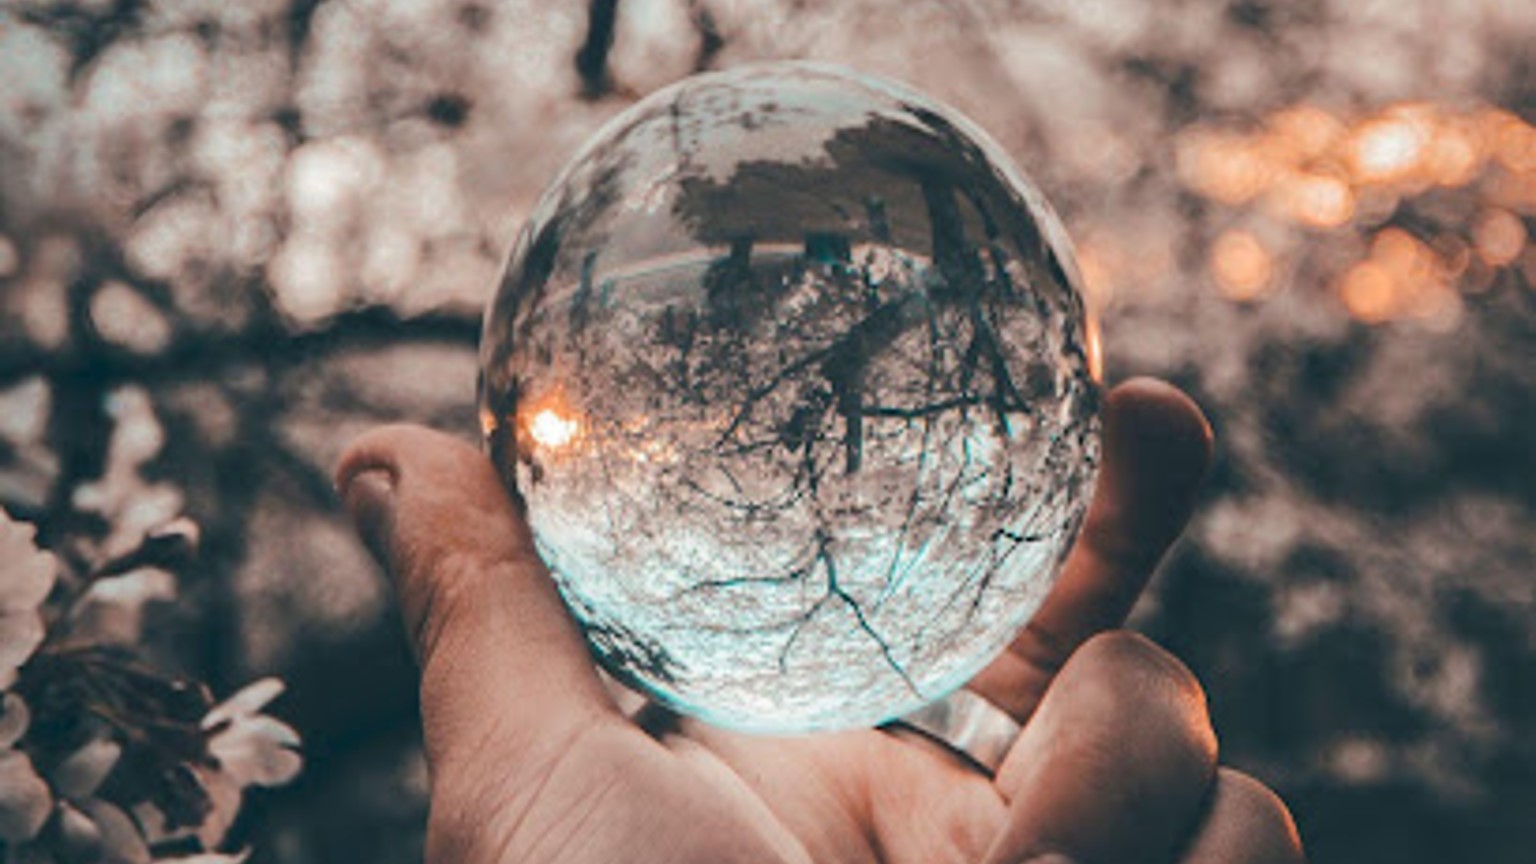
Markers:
point(790, 368)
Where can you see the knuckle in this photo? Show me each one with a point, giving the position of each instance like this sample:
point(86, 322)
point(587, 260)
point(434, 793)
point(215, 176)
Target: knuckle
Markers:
point(1135, 662)
point(1155, 694)
point(1258, 815)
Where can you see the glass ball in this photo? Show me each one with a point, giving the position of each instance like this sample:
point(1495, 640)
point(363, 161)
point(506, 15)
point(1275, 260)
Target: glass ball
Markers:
point(790, 368)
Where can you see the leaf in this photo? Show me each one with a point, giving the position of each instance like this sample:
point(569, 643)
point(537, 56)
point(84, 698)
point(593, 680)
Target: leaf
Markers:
point(26, 572)
point(251, 698)
point(25, 801)
point(154, 824)
point(180, 798)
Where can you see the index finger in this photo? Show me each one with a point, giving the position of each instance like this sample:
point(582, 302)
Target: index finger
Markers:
point(1157, 445)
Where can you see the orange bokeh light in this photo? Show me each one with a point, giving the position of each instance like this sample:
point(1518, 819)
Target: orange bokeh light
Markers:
point(1316, 169)
point(1408, 145)
point(1402, 253)
point(1318, 200)
point(1369, 292)
point(1513, 140)
point(1455, 155)
point(1302, 132)
point(1243, 267)
point(1098, 276)
point(1499, 236)
point(1225, 168)
point(1387, 149)
point(1093, 336)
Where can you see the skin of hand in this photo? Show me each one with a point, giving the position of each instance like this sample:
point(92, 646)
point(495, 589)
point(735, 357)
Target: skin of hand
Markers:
point(532, 761)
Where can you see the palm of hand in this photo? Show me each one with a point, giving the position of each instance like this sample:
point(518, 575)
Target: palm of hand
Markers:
point(699, 795)
point(1116, 761)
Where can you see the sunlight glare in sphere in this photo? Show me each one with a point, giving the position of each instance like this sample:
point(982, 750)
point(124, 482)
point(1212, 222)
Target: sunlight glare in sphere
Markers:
point(552, 430)
point(790, 368)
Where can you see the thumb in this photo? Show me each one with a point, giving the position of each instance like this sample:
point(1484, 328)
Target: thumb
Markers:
point(506, 676)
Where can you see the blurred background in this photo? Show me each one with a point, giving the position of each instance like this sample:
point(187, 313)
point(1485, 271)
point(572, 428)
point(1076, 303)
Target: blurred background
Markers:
point(235, 234)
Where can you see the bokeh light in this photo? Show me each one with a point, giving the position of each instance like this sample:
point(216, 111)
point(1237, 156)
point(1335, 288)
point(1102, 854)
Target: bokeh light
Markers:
point(277, 223)
point(1242, 265)
point(1322, 171)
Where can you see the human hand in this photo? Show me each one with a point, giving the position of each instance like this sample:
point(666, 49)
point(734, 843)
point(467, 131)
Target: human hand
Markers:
point(531, 760)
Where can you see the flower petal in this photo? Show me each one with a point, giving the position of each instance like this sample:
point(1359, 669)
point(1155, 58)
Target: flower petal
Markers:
point(112, 611)
point(251, 698)
point(224, 796)
point(14, 719)
point(79, 837)
point(257, 751)
point(78, 776)
point(25, 801)
point(21, 631)
point(26, 572)
point(120, 839)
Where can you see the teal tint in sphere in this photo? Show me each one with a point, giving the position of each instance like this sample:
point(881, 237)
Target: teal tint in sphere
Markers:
point(790, 368)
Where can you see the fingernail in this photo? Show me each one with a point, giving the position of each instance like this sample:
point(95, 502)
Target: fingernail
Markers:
point(370, 497)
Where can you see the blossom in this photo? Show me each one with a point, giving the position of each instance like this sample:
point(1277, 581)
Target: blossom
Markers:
point(111, 611)
point(25, 800)
point(250, 748)
point(88, 827)
point(89, 732)
point(27, 575)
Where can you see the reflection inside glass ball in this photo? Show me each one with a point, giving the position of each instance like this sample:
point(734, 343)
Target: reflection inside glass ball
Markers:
point(789, 368)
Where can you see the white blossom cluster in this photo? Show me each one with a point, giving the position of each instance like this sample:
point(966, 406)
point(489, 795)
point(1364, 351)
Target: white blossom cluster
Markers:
point(69, 806)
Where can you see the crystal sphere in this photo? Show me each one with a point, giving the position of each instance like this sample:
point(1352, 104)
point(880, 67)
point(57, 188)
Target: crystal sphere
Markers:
point(790, 368)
